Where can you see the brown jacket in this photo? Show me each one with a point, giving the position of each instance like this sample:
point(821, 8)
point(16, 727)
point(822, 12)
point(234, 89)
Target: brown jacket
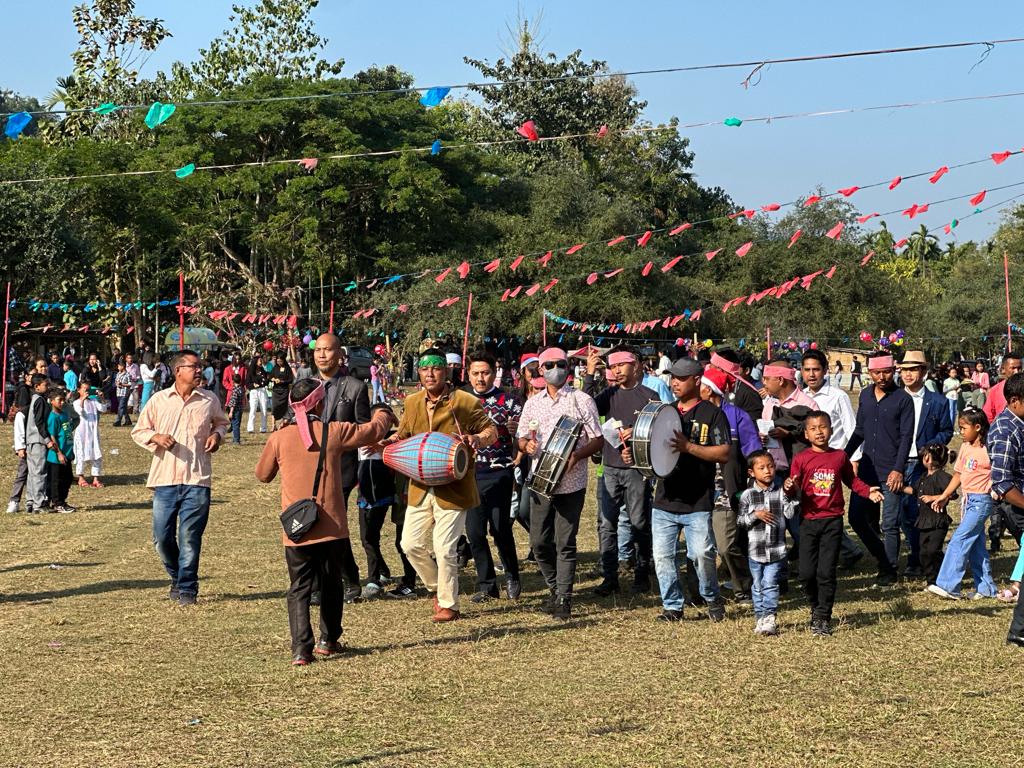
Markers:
point(455, 406)
point(284, 451)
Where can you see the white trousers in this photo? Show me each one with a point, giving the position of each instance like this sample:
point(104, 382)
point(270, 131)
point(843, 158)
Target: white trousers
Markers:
point(257, 402)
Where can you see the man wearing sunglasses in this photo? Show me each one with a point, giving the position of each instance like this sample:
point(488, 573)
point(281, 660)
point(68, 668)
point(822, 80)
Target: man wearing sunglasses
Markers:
point(555, 521)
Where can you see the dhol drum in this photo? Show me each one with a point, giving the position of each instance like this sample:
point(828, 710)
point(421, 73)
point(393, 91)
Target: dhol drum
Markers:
point(653, 452)
point(549, 465)
point(430, 458)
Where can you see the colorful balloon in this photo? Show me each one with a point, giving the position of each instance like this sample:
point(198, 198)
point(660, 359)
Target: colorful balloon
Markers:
point(312, 345)
point(814, 345)
point(708, 343)
point(884, 341)
point(268, 345)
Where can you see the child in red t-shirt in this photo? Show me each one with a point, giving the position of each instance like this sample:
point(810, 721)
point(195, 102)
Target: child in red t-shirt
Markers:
point(818, 475)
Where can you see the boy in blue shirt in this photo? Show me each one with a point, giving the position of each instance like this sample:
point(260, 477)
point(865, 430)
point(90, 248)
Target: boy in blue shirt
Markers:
point(60, 454)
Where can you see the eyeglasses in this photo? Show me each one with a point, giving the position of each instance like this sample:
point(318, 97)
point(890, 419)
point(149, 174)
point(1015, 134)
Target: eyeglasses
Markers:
point(192, 366)
point(555, 364)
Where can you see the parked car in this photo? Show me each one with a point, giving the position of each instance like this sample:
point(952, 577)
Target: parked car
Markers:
point(359, 361)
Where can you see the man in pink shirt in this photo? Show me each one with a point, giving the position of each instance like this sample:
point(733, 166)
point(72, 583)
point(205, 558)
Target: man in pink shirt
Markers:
point(996, 401)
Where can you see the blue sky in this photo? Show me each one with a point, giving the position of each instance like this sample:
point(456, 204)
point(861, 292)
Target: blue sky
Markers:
point(756, 164)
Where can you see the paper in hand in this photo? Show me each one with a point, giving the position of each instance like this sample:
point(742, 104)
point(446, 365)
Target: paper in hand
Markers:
point(610, 430)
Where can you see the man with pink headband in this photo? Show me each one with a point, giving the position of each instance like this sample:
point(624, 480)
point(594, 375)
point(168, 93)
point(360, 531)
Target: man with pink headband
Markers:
point(885, 428)
point(744, 395)
point(294, 452)
point(621, 485)
point(555, 521)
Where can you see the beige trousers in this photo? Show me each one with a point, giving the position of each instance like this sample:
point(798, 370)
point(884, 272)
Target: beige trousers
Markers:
point(428, 523)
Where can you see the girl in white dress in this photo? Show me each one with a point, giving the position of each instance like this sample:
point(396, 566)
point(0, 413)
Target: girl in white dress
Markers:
point(87, 435)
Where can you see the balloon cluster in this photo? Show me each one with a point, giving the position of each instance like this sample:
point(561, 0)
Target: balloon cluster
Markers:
point(381, 351)
point(895, 339)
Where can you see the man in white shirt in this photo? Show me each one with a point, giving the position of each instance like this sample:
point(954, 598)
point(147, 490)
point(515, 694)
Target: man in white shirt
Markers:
point(834, 401)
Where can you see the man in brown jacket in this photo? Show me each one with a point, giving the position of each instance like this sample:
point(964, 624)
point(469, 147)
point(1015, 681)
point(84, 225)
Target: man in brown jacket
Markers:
point(295, 450)
point(438, 513)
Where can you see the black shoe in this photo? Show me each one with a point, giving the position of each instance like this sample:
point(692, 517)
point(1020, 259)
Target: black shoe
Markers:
point(606, 588)
point(885, 579)
point(173, 594)
point(186, 598)
point(562, 610)
point(821, 628)
point(513, 588)
point(716, 612)
point(463, 559)
point(352, 595)
point(742, 598)
point(314, 597)
point(548, 604)
point(326, 648)
point(484, 597)
point(401, 591)
point(667, 616)
point(849, 563)
point(913, 572)
point(641, 586)
point(1017, 640)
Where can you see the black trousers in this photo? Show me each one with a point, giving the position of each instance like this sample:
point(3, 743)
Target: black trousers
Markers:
point(819, 556)
point(1017, 623)
point(932, 540)
point(866, 523)
point(554, 523)
point(306, 563)
point(494, 515)
point(59, 477)
point(349, 567)
point(371, 521)
point(1013, 520)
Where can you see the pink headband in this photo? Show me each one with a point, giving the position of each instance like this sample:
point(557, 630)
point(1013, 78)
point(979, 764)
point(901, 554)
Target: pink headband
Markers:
point(729, 367)
point(880, 363)
point(552, 354)
point(782, 371)
point(621, 357)
point(302, 409)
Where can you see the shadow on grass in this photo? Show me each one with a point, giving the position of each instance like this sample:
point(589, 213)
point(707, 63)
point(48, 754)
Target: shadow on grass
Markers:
point(138, 479)
point(483, 634)
point(30, 566)
point(280, 595)
point(98, 588)
point(861, 619)
point(140, 506)
point(374, 756)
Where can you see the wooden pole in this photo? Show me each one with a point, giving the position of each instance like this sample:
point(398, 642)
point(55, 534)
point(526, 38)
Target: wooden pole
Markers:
point(7, 323)
point(465, 338)
point(181, 310)
point(768, 340)
point(544, 327)
point(1006, 279)
point(330, 327)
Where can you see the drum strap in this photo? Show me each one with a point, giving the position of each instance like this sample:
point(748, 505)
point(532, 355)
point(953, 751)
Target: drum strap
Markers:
point(324, 434)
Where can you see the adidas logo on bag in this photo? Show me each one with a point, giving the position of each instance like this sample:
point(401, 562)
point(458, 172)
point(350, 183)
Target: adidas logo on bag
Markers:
point(296, 525)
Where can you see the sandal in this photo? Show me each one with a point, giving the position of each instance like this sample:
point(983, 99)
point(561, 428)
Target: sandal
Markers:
point(96, 483)
point(82, 483)
point(1007, 595)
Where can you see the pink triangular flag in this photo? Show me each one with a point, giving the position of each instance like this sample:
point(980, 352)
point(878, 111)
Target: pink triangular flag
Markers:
point(504, 296)
point(617, 240)
point(464, 269)
point(493, 266)
point(794, 238)
point(867, 258)
point(912, 211)
point(575, 249)
point(862, 219)
point(922, 208)
point(647, 268)
point(848, 191)
point(939, 174)
point(744, 249)
point(543, 260)
point(976, 200)
point(614, 272)
point(1000, 157)
point(695, 316)
point(681, 228)
point(592, 278)
point(309, 163)
point(403, 308)
point(770, 207)
point(528, 131)
point(671, 263)
point(515, 291)
point(533, 289)
point(811, 200)
point(830, 273)
point(551, 284)
point(440, 278)
point(835, 231)
point(901, 243)
point(711, 254)
point(516, 262)
point(644, 238)
point(895, 182)
point(602, 131)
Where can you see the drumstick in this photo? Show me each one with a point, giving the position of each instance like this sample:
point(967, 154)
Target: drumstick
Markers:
point(533, 428)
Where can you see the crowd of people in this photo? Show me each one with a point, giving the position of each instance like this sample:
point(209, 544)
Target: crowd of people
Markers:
point(762, 451)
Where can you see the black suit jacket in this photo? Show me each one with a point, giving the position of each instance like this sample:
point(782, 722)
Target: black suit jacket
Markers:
point(346, 400)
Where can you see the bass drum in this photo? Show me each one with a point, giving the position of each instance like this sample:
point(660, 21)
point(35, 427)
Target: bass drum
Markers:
point(654, 455)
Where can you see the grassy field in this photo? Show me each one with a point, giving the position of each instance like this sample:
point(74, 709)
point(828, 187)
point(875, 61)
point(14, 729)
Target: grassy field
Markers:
point(100, 669)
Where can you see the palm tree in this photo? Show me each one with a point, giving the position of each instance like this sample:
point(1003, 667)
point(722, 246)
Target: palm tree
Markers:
point(59, 95)
point(924, 246)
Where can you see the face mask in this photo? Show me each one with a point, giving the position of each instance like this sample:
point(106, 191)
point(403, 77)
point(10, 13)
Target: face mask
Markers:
point(556, 376)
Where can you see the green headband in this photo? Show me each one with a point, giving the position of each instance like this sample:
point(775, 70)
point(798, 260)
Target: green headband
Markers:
point(432, 361)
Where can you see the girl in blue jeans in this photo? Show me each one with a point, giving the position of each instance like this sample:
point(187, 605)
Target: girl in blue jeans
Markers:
point(972, 474)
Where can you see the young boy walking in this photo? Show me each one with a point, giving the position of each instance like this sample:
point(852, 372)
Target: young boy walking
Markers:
point(61, 453)
point(123, 384)
point(37, 442)
point(764, 509)
point(818, 475)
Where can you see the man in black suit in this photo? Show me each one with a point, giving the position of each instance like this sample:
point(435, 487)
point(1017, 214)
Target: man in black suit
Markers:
point(346, 400)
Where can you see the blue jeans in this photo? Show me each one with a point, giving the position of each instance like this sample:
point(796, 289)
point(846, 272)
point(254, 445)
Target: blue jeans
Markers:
point(147, 392)
point(700, 548)
point(378, 392)
point(952, 410)
point(181, 510)
point(236, 424)
point(765, 588)
point(624, 530)
point(967, 545)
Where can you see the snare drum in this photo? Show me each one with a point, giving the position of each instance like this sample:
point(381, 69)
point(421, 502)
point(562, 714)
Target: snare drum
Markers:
point(549, 465)
point(653, 452)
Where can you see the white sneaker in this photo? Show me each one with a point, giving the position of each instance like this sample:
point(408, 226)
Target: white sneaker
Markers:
point(12, 507)
point(935, 589)
point(769, 625)
point(370, 591)
point(759, 627)
point(969, 596)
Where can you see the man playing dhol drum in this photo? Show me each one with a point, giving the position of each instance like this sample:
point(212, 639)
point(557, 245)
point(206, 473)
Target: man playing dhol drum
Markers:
point(437, 514)
point(555, 520)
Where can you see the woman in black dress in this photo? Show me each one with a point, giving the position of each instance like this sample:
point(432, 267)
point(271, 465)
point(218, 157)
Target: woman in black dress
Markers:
point(281, 377)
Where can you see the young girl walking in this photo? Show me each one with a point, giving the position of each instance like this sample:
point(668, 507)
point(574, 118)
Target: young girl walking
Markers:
point(972, 473)
point(88, 406)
